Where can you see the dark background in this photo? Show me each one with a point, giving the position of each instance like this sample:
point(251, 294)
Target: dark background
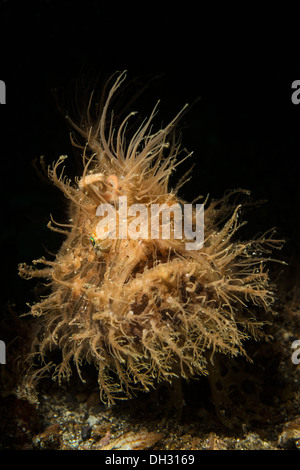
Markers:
point(244, 130)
